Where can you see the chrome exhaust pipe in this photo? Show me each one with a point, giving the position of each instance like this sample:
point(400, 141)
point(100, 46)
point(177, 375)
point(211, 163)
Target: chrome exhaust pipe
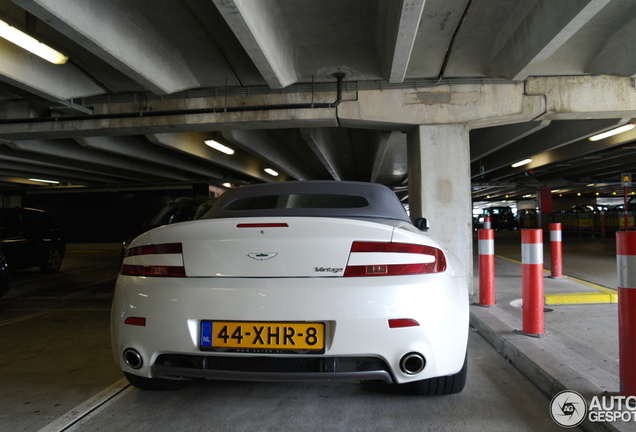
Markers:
point(412, 363)
point(133, 359)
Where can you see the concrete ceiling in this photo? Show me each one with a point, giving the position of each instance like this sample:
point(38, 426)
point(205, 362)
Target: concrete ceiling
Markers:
point(131, 60)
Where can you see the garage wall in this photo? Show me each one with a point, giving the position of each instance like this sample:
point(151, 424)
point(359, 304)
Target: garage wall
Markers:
point(103, 216)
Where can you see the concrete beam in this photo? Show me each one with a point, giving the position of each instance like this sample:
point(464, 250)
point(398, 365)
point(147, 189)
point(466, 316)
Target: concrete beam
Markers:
point(140, 148)
point(82, 168)
point(486, 105)
point(401, 22)
point(588, 168)
point(557, 134)
point(70, 150)
point(259, 26)
point(612, 58)
point(34, 75)
point(26, 170)
point(488, 140)
point(390, 167)
point(473, 104)
point(114, 32)
point(547, 27)
point(193, 144)
point(261, 145)
point(277, 119)
point(319, 141)
point(584, 97)
point(578, 149)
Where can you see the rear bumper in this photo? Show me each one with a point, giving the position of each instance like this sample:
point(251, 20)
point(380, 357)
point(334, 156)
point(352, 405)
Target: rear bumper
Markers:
point(355, 312)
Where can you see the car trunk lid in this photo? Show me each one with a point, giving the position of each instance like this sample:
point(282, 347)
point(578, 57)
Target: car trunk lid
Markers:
point(271, 247)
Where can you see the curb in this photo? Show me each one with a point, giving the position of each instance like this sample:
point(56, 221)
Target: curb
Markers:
point(580, 298)
point(535, 360)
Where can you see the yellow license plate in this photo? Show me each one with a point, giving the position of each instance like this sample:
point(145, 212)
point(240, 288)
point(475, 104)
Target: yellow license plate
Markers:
point(263, 335)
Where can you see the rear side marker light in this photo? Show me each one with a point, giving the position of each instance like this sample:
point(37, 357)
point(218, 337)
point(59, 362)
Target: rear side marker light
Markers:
point(150, 253)
point(403, 322)
point(262, 225)
point(399, 259)
point(136, 321)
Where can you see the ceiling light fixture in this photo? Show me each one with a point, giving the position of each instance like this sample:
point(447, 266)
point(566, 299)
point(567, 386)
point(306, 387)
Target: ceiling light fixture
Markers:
point(44, 181)
point(612, 132)
point(271, 172)
point(521, 163)
point(219, 147)
point(25, 41)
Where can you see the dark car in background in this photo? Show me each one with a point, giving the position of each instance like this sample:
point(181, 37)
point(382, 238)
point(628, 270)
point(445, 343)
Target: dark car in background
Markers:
point(4, 276)
point(181, 210)
point(30, 238)
point(500, 218)
point(589, 208)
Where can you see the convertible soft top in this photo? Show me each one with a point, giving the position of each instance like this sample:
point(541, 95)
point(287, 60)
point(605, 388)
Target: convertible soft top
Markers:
point(310, 198)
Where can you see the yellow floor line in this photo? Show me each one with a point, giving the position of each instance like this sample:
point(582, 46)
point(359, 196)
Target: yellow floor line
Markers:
point(606, 295)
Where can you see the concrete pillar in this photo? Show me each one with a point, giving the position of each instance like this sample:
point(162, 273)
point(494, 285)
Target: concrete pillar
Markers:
point(439, 186)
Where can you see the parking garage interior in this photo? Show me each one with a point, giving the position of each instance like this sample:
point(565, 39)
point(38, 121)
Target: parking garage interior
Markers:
point(440, 100)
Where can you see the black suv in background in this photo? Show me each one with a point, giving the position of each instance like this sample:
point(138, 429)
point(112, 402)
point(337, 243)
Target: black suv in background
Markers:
point(30, 238)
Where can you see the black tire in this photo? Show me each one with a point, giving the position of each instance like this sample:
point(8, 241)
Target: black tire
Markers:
point(155, 384)
point(441, 386)
point(52, 260)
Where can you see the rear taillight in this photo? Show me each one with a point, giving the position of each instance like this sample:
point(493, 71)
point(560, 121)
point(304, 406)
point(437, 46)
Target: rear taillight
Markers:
point(393, 259)
point(162, 260)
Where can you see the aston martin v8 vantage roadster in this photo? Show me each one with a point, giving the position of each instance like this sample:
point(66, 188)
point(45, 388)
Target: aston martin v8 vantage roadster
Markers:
point(293, 281)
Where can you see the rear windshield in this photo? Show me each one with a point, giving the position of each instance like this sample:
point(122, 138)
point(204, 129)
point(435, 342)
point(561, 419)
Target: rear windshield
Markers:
point(298, 201)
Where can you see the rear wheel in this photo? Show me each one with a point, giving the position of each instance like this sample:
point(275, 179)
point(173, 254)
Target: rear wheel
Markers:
point(445, 385)
point(155, 384)
point(52, 260)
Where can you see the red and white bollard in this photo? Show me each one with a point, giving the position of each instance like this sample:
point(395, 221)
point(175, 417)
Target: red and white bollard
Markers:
point(556, 251)
point(626, 266)
point(532, 281)
point(486, 246)
point(487, 222)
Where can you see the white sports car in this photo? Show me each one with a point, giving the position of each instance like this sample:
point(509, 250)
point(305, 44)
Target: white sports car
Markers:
point(297, 281)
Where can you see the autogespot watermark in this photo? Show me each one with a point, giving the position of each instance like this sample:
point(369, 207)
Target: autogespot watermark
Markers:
point(569, 409)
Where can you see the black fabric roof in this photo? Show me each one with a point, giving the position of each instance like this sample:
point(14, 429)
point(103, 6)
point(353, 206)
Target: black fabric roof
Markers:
point(383, 203)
